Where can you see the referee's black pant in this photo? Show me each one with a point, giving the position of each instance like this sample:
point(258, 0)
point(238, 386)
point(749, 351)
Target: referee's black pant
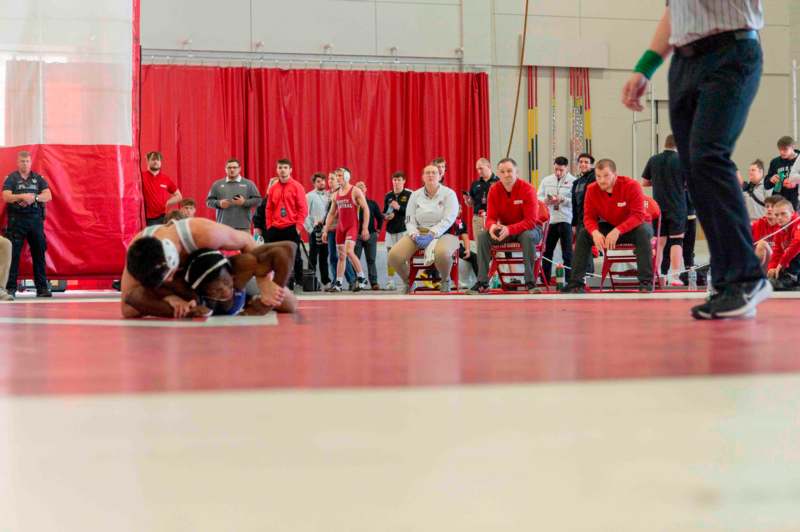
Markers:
point(709, 98)
point(289, 234)
point(28, 228)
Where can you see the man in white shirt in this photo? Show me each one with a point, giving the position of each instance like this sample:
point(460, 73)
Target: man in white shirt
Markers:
point(555, 191)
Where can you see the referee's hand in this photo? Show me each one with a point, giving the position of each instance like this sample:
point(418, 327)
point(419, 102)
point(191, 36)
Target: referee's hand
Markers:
point(633, 90)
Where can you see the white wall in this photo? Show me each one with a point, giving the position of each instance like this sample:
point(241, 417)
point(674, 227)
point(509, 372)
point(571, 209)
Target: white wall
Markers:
point(606, 34)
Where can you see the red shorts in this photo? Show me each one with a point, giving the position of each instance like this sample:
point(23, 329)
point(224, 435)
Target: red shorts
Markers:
point(346, 233)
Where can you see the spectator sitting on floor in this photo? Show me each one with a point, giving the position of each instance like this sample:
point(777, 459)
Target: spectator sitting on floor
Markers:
point(511, 216)
point(188, 207)
point(614, 212)
point(763, 229)
point(370, 246)
point(431, 212)
point(753, 190)
point(784, 266)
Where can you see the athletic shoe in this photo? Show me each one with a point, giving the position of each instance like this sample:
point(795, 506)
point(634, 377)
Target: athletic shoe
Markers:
point(116, 285)
point(674, 280)
point(532, 288)
point(785, 282)
point(737, 300)
point(44, 292)
point(5, 296)
point(408, 290)
point(391, 286)
point(335, 287)
point(574, 288)
point(444, 287)
point(478, 288)
point(376, 286)
point(646, 288)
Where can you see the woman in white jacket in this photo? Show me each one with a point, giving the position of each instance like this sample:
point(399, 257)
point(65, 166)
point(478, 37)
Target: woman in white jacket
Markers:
point(430, 214)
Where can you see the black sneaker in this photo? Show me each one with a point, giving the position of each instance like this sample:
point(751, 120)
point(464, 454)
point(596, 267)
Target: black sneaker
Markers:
point(785, 282)
point(44, 292)
point(116, 285)
point(704, 311)
point(646, 288)
point(739, 300)
point(532, 288)
point(478, 288)
point(574, 288)
point(336, 286)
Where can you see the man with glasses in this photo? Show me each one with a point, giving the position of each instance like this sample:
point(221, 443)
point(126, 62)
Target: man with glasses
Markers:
point(233, 197)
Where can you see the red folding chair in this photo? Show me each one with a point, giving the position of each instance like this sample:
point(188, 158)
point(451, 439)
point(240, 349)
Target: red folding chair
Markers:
point(626, 254)
point(504, 266)
point(416, 265)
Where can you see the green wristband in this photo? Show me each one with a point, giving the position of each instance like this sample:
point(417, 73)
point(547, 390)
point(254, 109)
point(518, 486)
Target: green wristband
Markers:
point(648, 63)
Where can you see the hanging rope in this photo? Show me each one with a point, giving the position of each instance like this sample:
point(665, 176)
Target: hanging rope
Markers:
point(519, 78)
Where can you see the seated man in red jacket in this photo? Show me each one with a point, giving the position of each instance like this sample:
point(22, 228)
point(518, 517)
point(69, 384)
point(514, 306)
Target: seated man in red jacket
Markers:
point(784, 266)
point(511, 216)
point(763, 228)
point(614, 213)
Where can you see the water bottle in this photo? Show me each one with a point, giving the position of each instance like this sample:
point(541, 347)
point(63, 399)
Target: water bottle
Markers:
point(495, 283)
point(709, 284)
point(692, 280)
point(560, 277)
point(779, 184)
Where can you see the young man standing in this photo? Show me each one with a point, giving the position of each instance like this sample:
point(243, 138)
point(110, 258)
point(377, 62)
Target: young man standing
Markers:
point(555, 191)
point(780, 169)
point(319, 202)
point(663, 173)
point(394, 212)
point(286, 212)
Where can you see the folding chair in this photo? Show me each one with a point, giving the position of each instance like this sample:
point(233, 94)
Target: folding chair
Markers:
point(416, 265)
point(626, 254)
point(504, 266)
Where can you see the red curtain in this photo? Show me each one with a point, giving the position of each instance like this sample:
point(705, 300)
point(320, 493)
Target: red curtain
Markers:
point(374, 123)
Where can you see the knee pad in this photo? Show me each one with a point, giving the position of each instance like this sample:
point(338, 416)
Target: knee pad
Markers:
point(672, 241)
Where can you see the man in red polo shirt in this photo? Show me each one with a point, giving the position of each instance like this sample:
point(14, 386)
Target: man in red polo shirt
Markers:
point(614, 213)
point(286, 212)
point(512, 215)
point(160, 192)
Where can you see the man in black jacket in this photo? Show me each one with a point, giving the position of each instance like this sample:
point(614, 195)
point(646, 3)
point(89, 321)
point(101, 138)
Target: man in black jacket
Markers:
point(586, 170)
point(394, 208)
point(370, 246)
point(779, 169)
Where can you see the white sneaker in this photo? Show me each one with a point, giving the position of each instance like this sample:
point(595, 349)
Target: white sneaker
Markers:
point(674, 279)
point(391, 286)
point(5, 296)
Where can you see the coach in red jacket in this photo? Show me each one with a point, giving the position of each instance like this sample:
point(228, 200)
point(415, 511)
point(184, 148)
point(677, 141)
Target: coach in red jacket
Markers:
point(614, 213)
point(511, 216)
point(285, 212)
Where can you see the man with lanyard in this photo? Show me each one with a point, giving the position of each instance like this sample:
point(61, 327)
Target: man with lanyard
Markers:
point(555, 191)
point(286, 212)
point(713, 80)
point(478, 193)
point(159, 191)
point(26, 192)
point(663, 173)
point(394, 209)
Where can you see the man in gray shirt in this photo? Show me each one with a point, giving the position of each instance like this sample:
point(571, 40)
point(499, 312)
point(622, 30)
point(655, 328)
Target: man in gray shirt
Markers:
point(713, 79)
point(233, 197)
point(319, 202)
